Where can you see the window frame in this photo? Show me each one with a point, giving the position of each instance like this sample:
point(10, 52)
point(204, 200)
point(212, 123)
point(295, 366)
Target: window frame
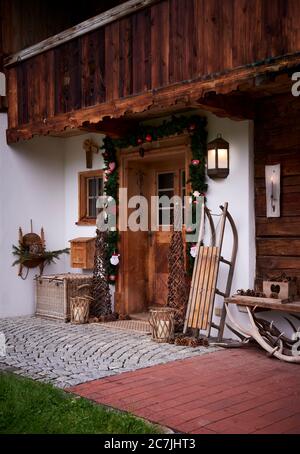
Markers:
point(83, 177)
point(158, 190)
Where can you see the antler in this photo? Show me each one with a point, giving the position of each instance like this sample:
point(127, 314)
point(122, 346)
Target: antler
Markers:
point(267, 336)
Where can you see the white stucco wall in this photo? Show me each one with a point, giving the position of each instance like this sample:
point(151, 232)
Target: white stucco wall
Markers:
point(39, 180)
point(238, 190)
point(31, 187)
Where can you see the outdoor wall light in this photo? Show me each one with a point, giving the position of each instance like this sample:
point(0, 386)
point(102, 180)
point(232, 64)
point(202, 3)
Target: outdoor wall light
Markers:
point(272, 175)
point(218, 158)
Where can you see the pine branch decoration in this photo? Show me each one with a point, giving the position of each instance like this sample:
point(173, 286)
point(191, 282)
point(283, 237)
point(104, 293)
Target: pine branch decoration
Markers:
point(101, 304)
point(177, 284)
point(23, 255)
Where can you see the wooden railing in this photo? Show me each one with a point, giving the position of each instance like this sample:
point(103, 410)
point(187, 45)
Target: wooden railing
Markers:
point(163, 43)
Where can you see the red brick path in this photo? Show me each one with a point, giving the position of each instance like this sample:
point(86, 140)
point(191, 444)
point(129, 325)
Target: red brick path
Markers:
point(230, 391)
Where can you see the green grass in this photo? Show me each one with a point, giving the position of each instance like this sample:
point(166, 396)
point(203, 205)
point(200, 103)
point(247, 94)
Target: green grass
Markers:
point(29, 407)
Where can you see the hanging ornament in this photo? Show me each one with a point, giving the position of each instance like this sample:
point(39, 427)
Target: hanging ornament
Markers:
point(196, 194)
point(139, 141)
point(195, 162)
point(192, 127)
point(112, 166)
point(148, 138)
point(114, 260)
point(112, 278)
point(193, 251)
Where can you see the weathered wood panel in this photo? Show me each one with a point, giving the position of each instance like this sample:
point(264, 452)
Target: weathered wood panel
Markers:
point(160, 42)
point(25, 23)
point(169, 42)
point(278, 227)
point(125, 39)
point(22, 87)
point(112, 61)
point(93, 68)
point(141, 51)
point(280, 246)
point(277, 140)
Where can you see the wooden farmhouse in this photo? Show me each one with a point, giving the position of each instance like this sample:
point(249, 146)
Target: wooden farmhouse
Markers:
point(187, 98)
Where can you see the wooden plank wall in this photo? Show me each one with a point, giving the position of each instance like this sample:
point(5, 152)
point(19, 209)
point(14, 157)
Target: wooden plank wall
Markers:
point(24, 23)
point(171, 41)
point(277, 141)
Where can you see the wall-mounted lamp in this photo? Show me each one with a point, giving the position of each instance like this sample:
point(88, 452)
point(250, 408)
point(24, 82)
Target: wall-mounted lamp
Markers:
point(218, 158)
point(272, 174)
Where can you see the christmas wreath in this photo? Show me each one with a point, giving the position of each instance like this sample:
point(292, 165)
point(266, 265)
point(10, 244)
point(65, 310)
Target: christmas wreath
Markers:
point(195, 126)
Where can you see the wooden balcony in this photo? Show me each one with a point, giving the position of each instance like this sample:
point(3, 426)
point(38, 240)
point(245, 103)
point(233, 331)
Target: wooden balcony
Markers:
point(146, 55)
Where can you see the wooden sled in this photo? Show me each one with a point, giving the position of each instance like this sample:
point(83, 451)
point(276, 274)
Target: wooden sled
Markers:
point(205, 276)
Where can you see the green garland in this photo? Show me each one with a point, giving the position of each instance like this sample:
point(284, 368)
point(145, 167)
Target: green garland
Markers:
point(195, 126)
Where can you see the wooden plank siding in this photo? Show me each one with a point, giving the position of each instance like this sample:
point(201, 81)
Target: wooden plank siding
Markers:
point(277, 141)
point(169, 42)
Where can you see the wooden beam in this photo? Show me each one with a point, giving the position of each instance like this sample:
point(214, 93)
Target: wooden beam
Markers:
point(114, 127)
point(235, 106)
point(155, 101)
point(113, 14)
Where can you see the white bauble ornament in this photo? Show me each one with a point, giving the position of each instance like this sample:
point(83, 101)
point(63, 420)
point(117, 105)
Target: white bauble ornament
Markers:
point(114, 260)
point(196, 194)
point(193, 251)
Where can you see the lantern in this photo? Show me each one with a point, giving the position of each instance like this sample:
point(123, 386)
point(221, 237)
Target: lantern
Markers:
point(218, 158)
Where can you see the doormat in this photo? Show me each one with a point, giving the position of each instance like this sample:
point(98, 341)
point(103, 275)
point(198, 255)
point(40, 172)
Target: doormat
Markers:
point(130, 325)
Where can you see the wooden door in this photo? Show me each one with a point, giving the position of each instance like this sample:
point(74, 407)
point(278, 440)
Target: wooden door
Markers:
point(135, 266)
point(143, 275)
point(166, 180)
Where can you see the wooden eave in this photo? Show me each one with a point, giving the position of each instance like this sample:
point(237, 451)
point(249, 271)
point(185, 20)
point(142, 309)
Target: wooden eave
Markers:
point(250, 81)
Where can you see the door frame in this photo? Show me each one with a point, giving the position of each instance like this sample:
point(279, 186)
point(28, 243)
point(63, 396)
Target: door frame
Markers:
point(176, 145)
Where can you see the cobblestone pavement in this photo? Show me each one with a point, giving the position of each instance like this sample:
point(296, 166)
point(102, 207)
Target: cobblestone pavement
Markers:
point(66, 355)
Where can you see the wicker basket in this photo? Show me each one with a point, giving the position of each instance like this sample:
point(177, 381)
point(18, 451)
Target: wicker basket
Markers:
point(54, 293)
point(162, 324)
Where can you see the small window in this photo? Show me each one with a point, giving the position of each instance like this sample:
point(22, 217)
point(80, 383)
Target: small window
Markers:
point(166, 187)
point(90, 188)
